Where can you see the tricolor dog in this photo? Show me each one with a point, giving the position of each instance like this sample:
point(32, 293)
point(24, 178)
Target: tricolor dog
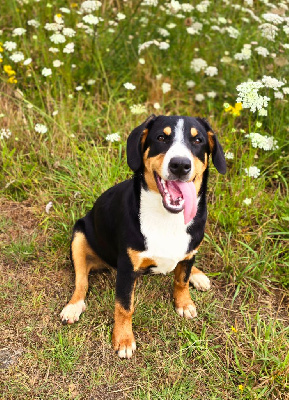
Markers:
point(152, 223)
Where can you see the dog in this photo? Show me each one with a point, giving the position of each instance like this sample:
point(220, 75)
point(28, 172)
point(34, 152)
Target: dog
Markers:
point(152, 223)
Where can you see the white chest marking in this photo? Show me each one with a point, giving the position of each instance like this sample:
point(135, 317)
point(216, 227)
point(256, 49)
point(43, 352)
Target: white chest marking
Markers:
point(165, 233)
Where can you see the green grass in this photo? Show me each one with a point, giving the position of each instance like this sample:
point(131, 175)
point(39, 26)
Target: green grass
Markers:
point(237, 347)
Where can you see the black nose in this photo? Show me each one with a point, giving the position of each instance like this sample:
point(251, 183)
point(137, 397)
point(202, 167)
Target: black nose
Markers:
point(180, 166)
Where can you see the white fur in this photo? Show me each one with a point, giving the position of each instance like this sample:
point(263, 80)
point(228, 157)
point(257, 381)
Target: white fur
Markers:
point(200, 281)
point(71, 312)
point(177, 149)
point(165, 233)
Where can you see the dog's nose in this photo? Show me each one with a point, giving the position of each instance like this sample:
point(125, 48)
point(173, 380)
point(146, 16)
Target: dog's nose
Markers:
point(180, 166)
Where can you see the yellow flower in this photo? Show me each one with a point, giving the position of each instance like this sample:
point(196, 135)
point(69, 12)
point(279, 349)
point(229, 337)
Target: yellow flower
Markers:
point(233, 110)
point(1, 49)
point(59, 15)
point(12, 79)
point(9, 71)
point(234, 329)
point(73, 5)
point(241, 388)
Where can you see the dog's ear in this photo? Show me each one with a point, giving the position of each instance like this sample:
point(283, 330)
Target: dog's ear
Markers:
point(216, 149)
point(134, 142)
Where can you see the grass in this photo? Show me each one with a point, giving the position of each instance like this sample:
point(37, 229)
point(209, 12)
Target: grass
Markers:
point(237, 347)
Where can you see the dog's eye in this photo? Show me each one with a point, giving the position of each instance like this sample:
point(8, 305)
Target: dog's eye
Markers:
point(161, 138)
point(197, 141)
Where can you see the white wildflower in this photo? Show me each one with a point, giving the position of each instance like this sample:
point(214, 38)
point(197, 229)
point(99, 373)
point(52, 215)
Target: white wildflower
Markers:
point(211, 71)
point(57, 38)
point(199, 97)
point(53, 27)
point(90, 6)
point(163, 45)
point(69, 48)
point(190, 84)
point(247, 201)
point(166, 87)
point(113, 137)
point(262, 51)
point(129, 86)
point(18, 32)
point(152, 3)
point(163, 32)
point(27, 61)
point(250, 98)
point(5, 133)
point(171, 25)
point(285, 90)
point(68, 32)
point(46, 71)
point(198, 64)
point(252, 172)
point(195, 28)
point(278, 95)
point(273, 18)
point(64, 10)
point(174, 6)
point(268, 31)
point(91, 19)
point(233, 32)
point(91, 82)
point(17, 57)
point(142, 61)
point(272, 83)
point(146, 45)
point(10, 46)
point(120, 16)
point(138, 109)
point(157, 106)
point(34, 23)
point(212, 94)
point(244, 55)
point(203, 6)
point(263, 112)
point(53, 50)
point(229, 155)
point(57, 63)
point(186, 7)
point(259, 141)
point(78, 88)
point(40, 128)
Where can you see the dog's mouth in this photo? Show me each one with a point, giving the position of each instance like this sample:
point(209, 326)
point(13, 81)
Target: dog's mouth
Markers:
point(178, 196)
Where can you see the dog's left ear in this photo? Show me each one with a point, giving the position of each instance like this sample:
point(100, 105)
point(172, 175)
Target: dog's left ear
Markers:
point(133, 147)
point(216, 149)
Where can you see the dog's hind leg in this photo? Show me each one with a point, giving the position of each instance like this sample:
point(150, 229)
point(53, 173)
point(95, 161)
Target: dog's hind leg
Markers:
point(84, 259)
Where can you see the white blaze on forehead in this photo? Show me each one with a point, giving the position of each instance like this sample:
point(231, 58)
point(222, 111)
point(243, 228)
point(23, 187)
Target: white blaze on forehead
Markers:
point(177, 149)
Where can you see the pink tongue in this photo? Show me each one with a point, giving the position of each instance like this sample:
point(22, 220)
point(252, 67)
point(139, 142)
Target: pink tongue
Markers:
point(188, 190)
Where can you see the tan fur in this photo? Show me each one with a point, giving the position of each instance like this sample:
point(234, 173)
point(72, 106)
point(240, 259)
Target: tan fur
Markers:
point(200, 167)
point(144, 136)
point(195, 270)
point(181, 293)
point(122, 335)
point(84, 259)
point(211, 140)
point(168, 130)
point(152, 164)
point(194, 132)
point(137, 261)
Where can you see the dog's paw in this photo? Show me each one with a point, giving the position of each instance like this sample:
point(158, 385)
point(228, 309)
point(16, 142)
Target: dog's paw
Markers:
point(124, 345)
point(200, 281)
point(187, 311)
point(71, 312)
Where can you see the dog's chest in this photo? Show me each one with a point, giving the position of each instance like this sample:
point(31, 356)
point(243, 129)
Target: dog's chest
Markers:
point(165, 234)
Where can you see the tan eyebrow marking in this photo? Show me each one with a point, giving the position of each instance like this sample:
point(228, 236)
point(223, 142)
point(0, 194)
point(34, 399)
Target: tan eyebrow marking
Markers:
point(168, 130)
point(194, 132)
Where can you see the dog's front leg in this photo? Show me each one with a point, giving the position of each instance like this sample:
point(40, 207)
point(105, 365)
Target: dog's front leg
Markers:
point(184, 305)
point(122, 337)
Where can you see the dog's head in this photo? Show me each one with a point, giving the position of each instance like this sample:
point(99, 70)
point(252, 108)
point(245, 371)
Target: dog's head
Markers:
point(173, 152)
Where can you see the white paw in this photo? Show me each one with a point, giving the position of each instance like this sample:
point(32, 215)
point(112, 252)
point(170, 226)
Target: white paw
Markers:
point(127, 351)
point(200, 281)
point(188, 312)
point(71, 312)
